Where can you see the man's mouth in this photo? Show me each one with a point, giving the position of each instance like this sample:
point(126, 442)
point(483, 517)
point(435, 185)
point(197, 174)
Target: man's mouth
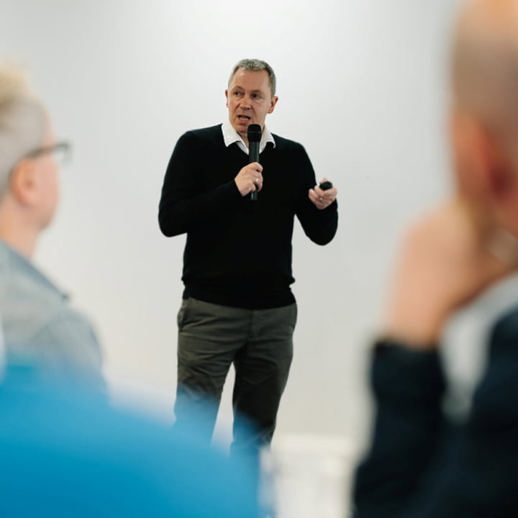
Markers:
point(244, 118)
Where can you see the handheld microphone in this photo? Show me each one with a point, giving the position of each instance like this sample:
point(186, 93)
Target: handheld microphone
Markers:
point(254, 137)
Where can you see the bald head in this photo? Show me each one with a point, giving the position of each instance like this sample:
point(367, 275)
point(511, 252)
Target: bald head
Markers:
point(485, 63)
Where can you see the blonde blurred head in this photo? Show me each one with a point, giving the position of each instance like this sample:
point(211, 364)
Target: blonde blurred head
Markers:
point(28, 175)
point(22, 120)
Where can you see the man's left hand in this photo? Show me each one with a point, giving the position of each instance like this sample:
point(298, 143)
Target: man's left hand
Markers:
point(320, 198)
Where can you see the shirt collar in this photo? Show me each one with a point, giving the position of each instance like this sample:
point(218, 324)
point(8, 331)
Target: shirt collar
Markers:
point(230, 136)
point(9, 255)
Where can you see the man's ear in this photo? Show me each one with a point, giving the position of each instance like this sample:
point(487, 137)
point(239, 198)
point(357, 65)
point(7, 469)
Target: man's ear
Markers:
point(481, 168)
point(273, 103)
point(23, 182)
point(500, 170)
point(226, 97)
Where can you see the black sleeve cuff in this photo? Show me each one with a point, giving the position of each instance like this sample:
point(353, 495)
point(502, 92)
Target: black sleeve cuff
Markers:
point(406, 375)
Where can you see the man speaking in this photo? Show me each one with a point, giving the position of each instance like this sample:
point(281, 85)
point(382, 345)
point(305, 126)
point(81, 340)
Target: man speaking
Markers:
point(238, 214)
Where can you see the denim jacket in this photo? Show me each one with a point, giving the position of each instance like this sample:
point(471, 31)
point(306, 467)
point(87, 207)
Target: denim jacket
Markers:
point(40, 327)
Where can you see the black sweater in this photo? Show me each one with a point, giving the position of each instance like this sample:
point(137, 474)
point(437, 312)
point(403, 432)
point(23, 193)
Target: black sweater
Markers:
point(238, 251)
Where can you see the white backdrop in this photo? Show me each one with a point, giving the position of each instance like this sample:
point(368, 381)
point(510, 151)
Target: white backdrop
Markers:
point(362, 84)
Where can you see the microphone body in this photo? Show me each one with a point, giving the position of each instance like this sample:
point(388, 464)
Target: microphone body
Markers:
point(254, 138)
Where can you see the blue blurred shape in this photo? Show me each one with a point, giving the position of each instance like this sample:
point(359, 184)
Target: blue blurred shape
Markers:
point(65, 452)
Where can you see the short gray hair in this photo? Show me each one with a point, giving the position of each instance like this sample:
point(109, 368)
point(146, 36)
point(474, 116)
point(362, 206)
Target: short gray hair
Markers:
point(22, 121)
point(256, 65)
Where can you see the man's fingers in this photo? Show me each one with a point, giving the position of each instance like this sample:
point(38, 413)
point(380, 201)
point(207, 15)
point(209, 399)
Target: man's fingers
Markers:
point(317, 195)
point(319, 201)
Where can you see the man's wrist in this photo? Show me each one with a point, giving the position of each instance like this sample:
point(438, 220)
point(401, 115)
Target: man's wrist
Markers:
point(416, 332)
point(415, 321)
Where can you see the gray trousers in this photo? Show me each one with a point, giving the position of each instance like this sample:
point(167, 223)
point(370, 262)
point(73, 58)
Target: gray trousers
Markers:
point(259, 343)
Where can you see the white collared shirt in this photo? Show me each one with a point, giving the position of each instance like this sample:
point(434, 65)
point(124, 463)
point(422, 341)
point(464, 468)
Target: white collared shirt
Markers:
point(465, 341)
point(230, 135)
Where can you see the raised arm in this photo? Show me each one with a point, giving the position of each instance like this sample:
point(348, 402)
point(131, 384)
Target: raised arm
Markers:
point(317, 210)
point(184, 203)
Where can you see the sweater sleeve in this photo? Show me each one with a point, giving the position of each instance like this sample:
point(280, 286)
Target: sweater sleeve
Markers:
point(408, 387)
point(319, 225)
point(183, 205)
point(408, 473)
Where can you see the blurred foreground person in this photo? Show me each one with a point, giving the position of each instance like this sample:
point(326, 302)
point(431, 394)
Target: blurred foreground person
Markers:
point(39, 324)
point(421, 463)
point(64, 452)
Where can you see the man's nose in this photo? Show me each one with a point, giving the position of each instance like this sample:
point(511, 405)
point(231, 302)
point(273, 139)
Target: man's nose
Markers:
point(246, 102)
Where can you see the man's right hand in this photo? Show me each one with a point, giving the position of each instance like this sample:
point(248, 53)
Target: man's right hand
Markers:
point(250, 178)
point(448, 258)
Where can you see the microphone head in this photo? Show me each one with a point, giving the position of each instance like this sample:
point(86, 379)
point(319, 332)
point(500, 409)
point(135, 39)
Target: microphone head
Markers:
point(254, 133)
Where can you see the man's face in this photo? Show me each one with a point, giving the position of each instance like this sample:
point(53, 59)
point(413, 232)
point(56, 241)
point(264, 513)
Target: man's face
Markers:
point(249, 99)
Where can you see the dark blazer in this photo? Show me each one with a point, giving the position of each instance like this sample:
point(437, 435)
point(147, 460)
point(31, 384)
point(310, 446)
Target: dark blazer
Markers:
point(420, 464)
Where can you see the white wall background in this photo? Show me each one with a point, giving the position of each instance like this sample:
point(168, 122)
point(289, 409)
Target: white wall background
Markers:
point(362, 84)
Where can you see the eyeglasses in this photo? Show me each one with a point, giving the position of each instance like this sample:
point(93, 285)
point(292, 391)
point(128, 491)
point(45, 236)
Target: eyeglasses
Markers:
point(60, 151)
